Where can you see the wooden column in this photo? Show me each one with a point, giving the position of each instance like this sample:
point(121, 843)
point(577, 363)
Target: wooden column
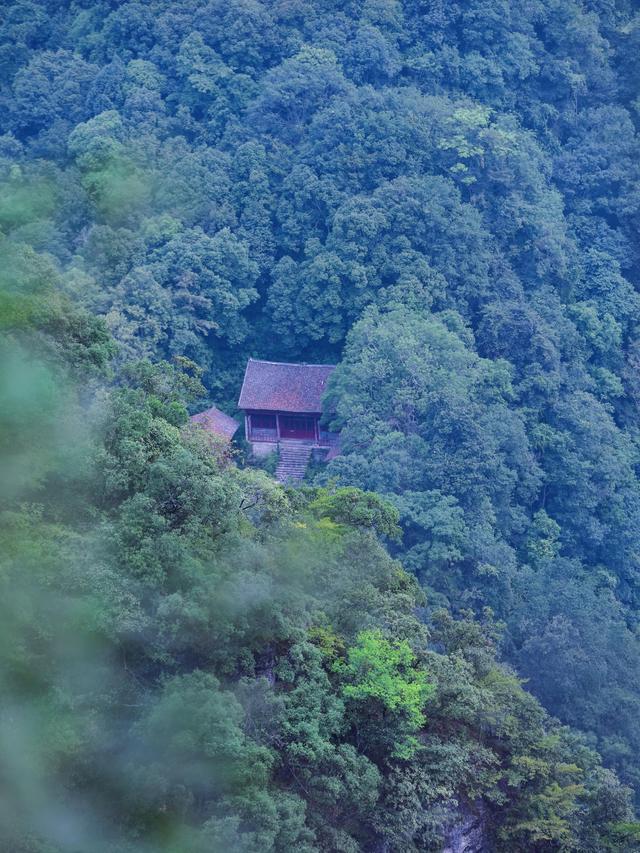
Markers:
point(278, 426)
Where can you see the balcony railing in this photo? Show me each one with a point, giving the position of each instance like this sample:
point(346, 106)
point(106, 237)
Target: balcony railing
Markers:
point(326, 439)
point(262, 434)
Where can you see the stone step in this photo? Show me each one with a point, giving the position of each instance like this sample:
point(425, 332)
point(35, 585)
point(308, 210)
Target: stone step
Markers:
point(294, 458)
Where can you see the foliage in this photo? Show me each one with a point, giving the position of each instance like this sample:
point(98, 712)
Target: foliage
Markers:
point(380, 670)
point(192, 657)
point(355, 508)
point(443, 200)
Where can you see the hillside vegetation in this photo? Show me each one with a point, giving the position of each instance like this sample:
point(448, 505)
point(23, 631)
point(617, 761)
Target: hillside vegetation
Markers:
point(442, 629)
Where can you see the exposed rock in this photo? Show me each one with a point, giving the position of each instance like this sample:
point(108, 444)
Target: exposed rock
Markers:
point(468, 836)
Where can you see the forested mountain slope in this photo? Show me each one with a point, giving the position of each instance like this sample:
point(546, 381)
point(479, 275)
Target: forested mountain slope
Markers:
point(442, 198)
point(194, 659)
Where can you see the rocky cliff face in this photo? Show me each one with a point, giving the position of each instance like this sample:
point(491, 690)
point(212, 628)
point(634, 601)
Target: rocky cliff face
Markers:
point(468, 836)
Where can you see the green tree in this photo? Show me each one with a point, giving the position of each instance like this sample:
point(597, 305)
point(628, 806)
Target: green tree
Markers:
point(383, 670)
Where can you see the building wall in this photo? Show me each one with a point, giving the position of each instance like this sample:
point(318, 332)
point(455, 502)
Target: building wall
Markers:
point(263, 448)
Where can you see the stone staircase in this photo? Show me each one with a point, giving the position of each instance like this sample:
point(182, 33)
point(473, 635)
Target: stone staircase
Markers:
point(294, 457)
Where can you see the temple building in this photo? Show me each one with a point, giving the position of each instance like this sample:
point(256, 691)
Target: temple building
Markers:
point(282, 405)
point(216, 423)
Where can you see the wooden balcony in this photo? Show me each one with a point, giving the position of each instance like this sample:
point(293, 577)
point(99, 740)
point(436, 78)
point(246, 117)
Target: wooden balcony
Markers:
point(281, 426)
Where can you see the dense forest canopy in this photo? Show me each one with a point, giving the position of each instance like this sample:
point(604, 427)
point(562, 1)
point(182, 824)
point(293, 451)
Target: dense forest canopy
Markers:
point(439, 633)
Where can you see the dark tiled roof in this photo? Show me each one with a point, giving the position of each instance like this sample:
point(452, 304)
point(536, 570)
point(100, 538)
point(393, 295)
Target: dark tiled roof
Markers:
point(215, 421)
point(277, 387)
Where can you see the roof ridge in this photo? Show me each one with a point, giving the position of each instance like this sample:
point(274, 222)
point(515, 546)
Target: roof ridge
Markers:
point(216, 421)
point(217, 408)
point(290, 363)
